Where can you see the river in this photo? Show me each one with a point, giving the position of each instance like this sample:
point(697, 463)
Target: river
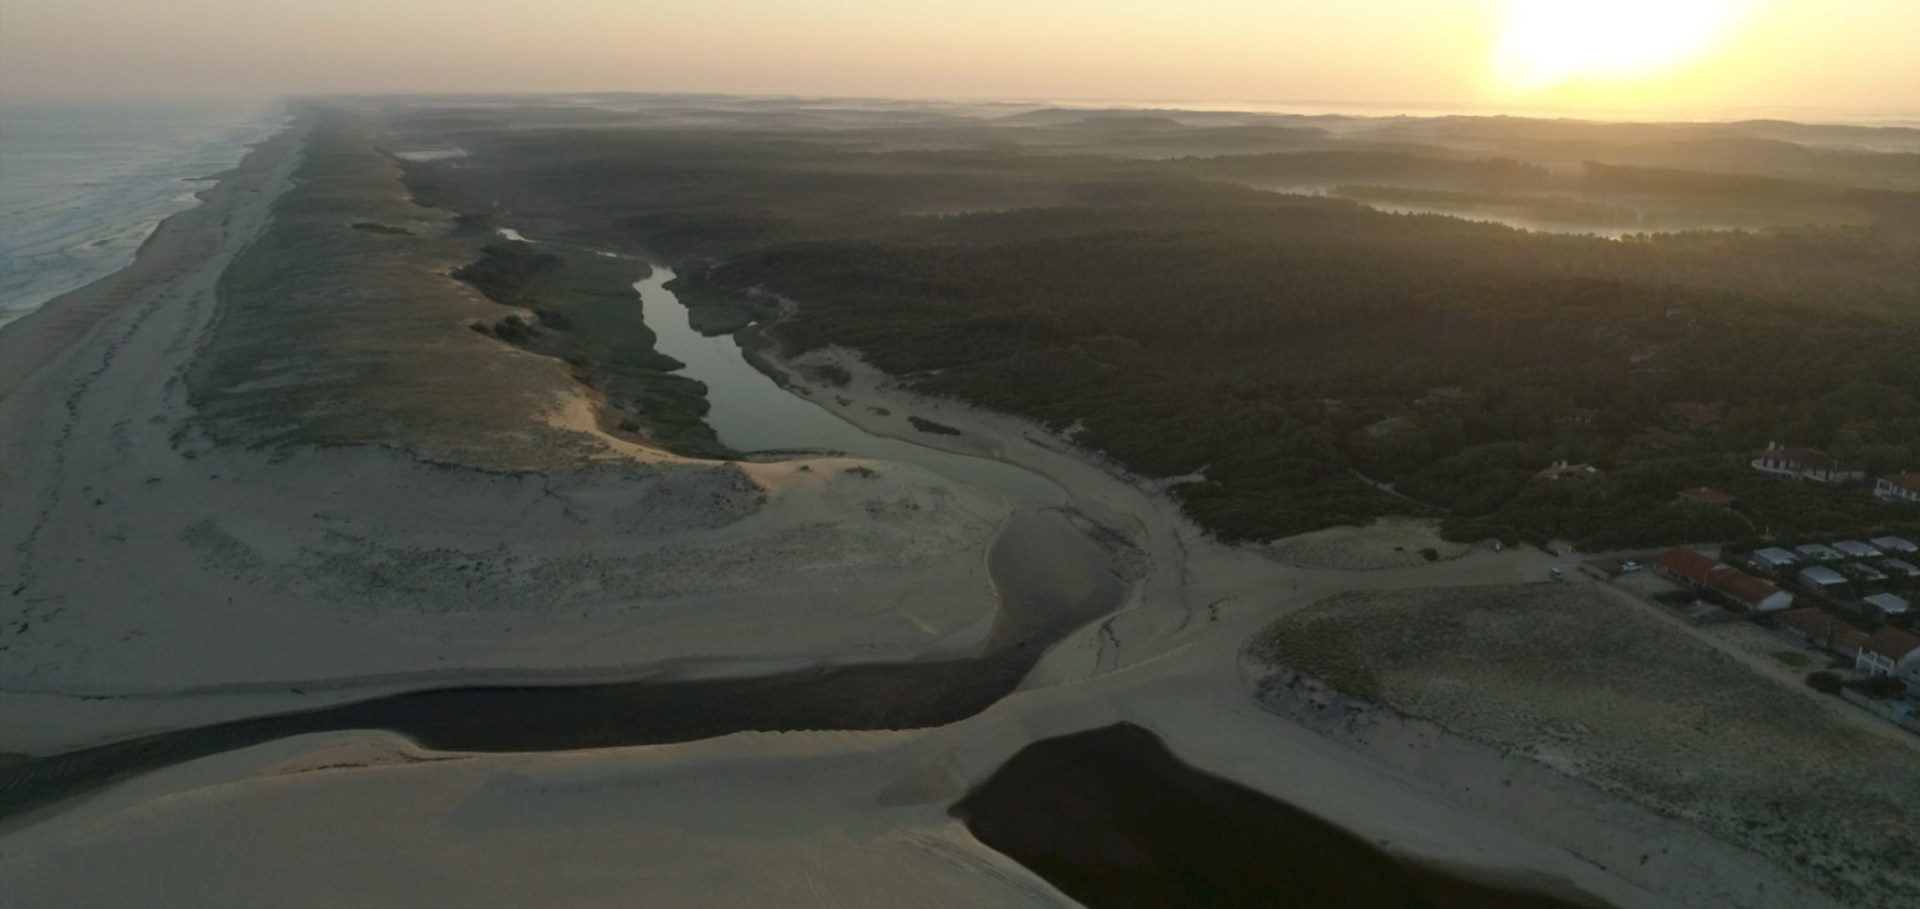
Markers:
point(750, 412)
point(1050, 579)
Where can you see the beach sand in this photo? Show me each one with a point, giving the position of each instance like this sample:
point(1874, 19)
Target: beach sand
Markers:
point(158, 590)
point(152, 570)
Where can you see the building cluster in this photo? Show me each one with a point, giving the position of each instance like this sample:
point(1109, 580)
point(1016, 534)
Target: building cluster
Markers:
point(1704, 574)
point(1869, 581)
point(1817, 466)
point(1899, 487)
point(1875, 577)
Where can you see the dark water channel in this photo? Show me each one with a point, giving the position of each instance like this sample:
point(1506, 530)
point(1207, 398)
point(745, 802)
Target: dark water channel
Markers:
point(1116, 821)
point(1051, 579)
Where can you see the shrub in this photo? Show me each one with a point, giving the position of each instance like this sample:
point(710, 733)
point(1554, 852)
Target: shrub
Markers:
point(925, 425)
point(833, 374)
point(1824, 682)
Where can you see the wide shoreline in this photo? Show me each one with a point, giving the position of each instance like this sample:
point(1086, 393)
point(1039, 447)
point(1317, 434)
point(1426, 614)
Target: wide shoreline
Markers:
point(44, 336)
point(1166, 659)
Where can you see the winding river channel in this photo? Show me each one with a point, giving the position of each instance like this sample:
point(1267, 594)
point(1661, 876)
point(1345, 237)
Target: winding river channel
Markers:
point(1050, 579)
point(1109, 816)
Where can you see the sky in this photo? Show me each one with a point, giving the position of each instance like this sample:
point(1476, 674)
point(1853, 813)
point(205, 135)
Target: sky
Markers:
point(1541, 55)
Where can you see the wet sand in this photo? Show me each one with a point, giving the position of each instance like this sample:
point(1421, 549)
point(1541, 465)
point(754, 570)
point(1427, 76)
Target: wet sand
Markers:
point(180, 242)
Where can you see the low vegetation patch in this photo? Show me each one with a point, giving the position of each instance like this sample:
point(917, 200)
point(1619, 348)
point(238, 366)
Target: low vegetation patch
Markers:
point(925, 425)
point(1579, 680)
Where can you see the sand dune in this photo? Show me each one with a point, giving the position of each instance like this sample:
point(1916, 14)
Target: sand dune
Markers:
point(159, 579)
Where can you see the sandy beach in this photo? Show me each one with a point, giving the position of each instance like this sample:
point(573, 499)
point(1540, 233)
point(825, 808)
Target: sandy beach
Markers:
point(148, 563)
point(159, 579)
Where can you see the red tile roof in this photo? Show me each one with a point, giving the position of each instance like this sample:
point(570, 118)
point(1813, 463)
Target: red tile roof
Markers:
point(1823, 629)
point(1907, 481)
point(1892, 643)
point(1740, 585)
point(1811, 622)
point(1847, 640)
point(1685, 564)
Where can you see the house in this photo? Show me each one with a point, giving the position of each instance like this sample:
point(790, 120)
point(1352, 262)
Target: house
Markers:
point(1889, 651)
point(1900, 487)
point(1707, 497)
point(1900, 568)
point(1888, 604)
point(1894, 544)
point(1821, 579)
point(1449, 397)
point(1695, 416)
point(1561, 470)
point(1747, 590)
point(1806, 464)
point(1685, 566)
point(1824, 631)
point(1774, 558)
point(1856, 549)
point(1815, 552)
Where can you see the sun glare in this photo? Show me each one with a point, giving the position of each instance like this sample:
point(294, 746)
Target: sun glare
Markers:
point(1549, 42)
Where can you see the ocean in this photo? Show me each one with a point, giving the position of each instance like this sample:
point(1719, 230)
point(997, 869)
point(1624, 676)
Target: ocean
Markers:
point(83, 184)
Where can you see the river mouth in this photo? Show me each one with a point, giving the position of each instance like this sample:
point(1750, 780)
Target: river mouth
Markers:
point(1114, 819)
point(1051, 577)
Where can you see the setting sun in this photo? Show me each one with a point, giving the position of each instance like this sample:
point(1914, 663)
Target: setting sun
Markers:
point(1548, 42)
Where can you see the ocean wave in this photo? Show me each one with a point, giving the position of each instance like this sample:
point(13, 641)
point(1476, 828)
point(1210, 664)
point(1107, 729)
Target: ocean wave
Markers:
point(86, 184)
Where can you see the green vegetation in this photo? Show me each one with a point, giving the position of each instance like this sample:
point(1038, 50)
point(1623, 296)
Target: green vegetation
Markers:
point(332, 335)
point(939, 429)
point(833, 374)
point(711, 313)
point(590, 316)
point(1283, 347)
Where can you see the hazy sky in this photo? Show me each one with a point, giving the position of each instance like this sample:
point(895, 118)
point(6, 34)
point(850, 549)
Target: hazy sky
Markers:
point(1611, 54)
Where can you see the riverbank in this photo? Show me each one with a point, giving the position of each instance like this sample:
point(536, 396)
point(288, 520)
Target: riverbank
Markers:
point(161, 578)
point(219, 581)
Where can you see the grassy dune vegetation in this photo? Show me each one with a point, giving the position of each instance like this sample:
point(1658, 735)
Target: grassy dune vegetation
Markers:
point(586, 312)
point(1574, 678)
point(1193, 321)
point(335, 333)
